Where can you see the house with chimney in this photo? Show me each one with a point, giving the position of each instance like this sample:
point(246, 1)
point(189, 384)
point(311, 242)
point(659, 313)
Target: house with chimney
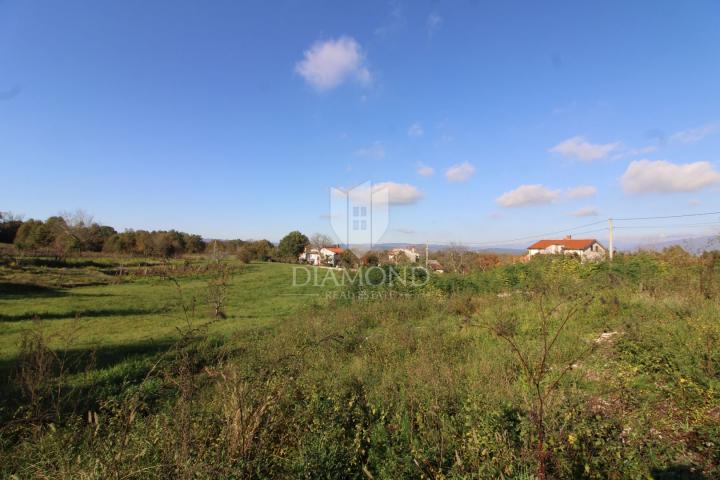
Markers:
point(585, 248)
point(322, 256)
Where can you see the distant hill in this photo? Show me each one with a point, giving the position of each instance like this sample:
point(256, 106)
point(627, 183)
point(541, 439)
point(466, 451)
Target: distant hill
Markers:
point(691, 244)
point(503, 250)
point(434, 247)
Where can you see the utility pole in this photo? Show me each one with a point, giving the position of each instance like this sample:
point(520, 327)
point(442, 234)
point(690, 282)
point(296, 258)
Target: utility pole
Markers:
point(610, 237)
point(427, 249)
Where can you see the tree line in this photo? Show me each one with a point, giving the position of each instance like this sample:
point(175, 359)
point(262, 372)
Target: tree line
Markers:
point(66, 234)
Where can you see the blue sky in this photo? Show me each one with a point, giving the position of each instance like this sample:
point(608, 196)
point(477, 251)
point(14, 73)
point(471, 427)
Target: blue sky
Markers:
point(487, 120)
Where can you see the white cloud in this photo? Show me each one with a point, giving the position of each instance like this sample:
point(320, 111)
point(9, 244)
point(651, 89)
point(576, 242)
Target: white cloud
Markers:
point(426, 171)
point(433, 22)
point(416, 130)
point(460, 172)
point(693, 135)
point(585, 212)
point(581, 191)
point(578, 147)
point(528, 195)
point(375, 151)
point(400, 193)
point(397, 193)
point(328, 64)
point(647, 176)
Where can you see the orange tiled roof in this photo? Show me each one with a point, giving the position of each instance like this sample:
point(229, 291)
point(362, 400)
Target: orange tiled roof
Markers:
point(570, 244)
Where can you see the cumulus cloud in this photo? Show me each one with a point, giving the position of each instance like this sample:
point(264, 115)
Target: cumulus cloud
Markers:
point(328, 64)
point(578, 147)
point(416, 130)
point(693, 135)
point(399, 193)
point(581, 191)
point(528, 195)
point(426, 171)
point(382, 192)
point(375, 151)
point(585, 212)
point(661, 176)
point(460, 172)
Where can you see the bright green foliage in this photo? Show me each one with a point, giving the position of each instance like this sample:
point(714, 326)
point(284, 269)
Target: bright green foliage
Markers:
point(292, 245)
point(34, 234)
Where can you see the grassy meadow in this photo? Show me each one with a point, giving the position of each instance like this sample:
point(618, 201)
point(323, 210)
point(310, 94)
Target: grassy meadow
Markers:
point(107, 310)
point(202, 368)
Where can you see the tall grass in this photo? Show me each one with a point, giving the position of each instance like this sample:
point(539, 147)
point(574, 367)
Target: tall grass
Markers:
point(613, 367)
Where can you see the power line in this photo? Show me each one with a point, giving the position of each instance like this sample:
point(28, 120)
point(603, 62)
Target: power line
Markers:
point(670, 226)
point(669, 216)
point(574, 231)
point(560, 231)
point(592, 231)
point(526, 237)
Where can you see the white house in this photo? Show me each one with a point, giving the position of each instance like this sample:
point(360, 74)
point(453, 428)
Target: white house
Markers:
point(586, 248)
point(409, 252)
point(331, 254)
point(311, 256)
point(328, 255)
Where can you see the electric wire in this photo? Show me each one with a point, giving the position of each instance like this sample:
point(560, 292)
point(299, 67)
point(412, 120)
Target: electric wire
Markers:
point(574, 230)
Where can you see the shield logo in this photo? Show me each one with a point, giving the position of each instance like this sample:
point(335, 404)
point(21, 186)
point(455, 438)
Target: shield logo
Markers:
point(359, 215)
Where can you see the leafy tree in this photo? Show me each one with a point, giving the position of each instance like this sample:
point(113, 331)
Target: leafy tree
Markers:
point(67, 235)
point(347, 259)
point(371, 259)
point(125, 242)
point(245, 255)
point(9, 226)
point(195, 244)
point(260, 250)
point(292, 245)
point(487, 261)
point(95, 237)
point(34, 234)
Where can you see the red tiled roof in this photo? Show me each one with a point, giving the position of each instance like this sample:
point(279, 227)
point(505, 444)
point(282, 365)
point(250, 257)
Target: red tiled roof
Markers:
point(335, 249)
point(570, 244)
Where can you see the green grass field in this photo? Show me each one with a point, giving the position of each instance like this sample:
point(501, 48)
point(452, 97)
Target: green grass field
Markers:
point(615, 366)
point(141, 311)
